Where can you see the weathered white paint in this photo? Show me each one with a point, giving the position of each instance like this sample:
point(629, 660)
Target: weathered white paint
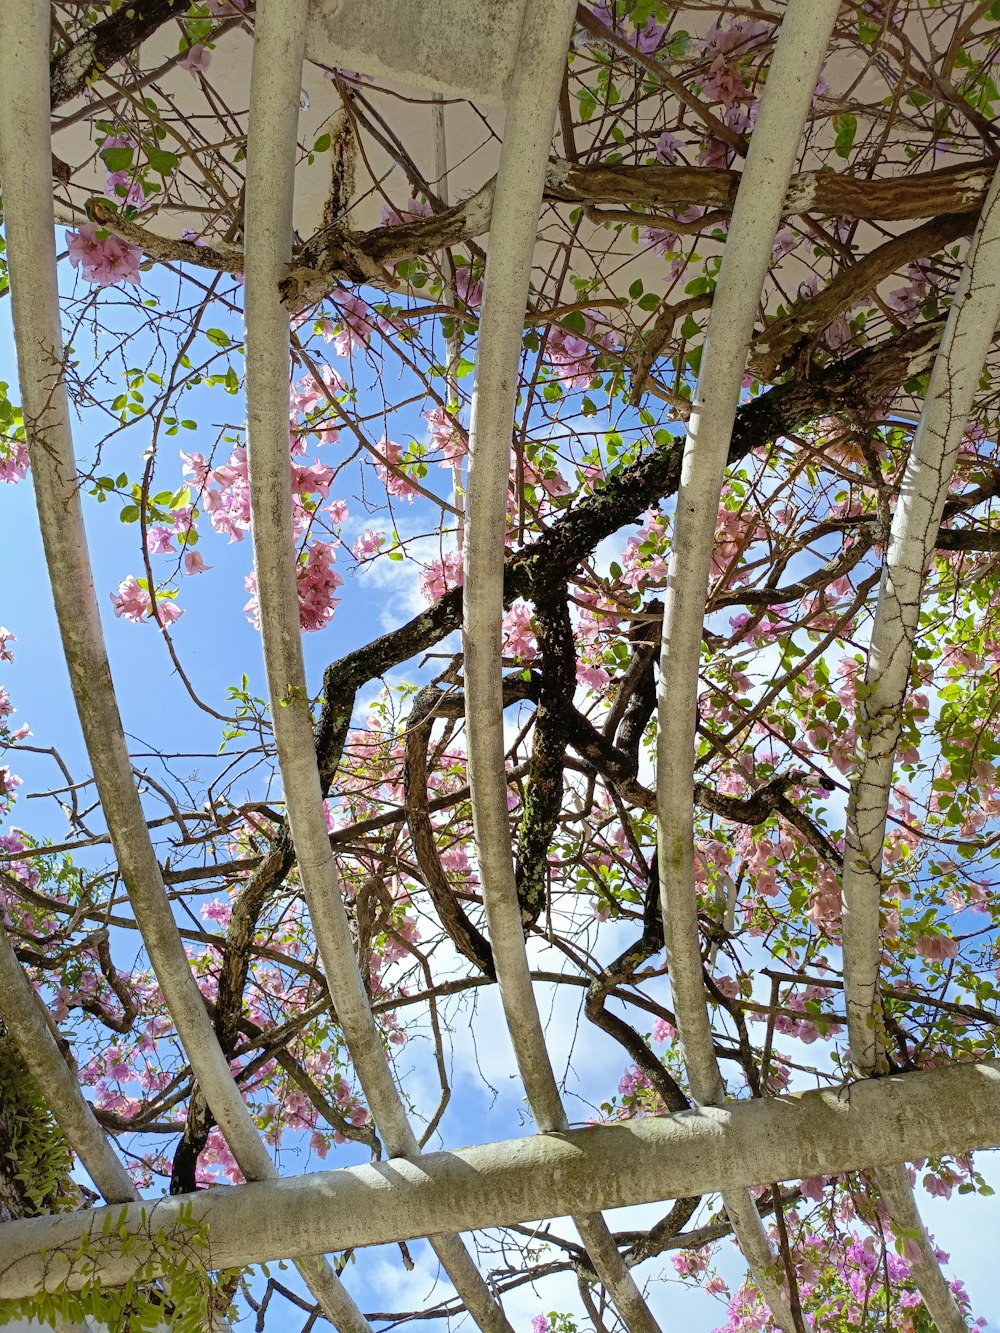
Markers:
point(532, 100)
point(907, 1116)
point(972, 320)
point(25, 158)
point(774, 149)
point(446, 46)
point(271, 155)
point(954, 379)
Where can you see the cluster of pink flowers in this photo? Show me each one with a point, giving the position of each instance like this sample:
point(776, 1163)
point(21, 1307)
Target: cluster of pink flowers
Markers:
point(316, 582)
point(518, 636)
point(393, 477)
point(13, 460)
point(690, 1263)
point(441, 576)
point(644, 562)
point(646, 37)
point(573, 355)
point(357, 323)
point(415, 208)
point(906, 301)
point(10, 845)
point(132, 600)
point(103, 261)
point(445, 437)
point(468, 288)
point(936, 948)
point(724, 48)
point(736, 530)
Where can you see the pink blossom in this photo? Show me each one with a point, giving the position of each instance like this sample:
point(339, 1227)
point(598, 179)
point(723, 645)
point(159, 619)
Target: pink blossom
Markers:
point(441, 575)
point(317, 581)
point(414, 209)
point(197, 60)
point(395, 481)
point(356, 320)
point(13, 461)
point(663, 1031)
point(368, 544)
point(471, 292)
point(539, 1324)
point(217, 910)
point(667, 147)
point(937, 948)
point(5, 638)
point(194, 564)
point(444, 436)
point(131, 600)
point(690, 1263)
point(103, 262)
point(593, 676)
point(518, 636)
point(158, 541)
point(660, 240)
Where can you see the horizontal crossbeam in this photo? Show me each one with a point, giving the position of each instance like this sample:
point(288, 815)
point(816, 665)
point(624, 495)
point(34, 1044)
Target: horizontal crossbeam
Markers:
point(909, 1116)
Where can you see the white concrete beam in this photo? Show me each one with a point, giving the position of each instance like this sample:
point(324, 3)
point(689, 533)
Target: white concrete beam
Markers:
point(908, 1116)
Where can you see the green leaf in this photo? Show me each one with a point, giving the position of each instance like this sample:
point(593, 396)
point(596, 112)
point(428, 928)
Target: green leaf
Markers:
point(160, 160)
point(218, 336)
point(846, 127)
point(322, 144)
point(117, 159)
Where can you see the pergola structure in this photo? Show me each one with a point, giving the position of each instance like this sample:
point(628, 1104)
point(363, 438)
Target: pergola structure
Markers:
point(509, 57)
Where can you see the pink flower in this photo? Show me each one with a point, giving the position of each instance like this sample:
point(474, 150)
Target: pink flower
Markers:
point(197, 60)
point(217, 910)
point(663, 1031)
point(6, 637)
point(368, 545)
point(470, 292)
point(937, 948)
point(317, 581)
point(194, 564)
point(539, 1324)
point(357, 324)
point(158, 541)
point(518, 636)
point(133, 602)
point(444, 436)
point(103, 262)
point(443, 574)
point(667, 147)
point(593, 676)
point(690, 1263)
point(13, 460)
point(413, 210)
point(395, 481)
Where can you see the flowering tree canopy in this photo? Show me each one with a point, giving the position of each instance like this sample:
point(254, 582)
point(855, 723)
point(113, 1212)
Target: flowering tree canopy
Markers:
point(516, 490)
